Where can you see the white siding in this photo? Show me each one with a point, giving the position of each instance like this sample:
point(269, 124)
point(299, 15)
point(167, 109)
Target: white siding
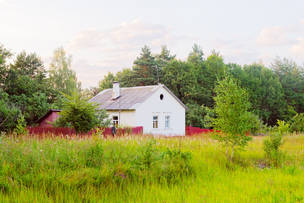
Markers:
point(126, 118)
point(154, 106)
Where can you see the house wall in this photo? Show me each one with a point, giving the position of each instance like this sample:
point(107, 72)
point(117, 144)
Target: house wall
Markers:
point(126, 118)
point(46, 122)
point(154, 106)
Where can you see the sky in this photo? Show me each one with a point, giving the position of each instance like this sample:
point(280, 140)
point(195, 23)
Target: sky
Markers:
point(107, 36)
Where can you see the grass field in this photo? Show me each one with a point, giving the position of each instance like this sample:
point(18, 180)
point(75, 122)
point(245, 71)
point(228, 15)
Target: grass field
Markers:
point(145, 169)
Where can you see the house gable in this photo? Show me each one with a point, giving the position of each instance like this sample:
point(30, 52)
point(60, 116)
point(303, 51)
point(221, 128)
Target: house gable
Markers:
point(162, 105)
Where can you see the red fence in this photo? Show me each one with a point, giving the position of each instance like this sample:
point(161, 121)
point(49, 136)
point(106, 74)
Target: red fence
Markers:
point(107, 131)
point(71, 132)
point(195, 130)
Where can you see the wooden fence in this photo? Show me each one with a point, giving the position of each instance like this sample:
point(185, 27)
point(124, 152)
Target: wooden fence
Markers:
point(71, 132)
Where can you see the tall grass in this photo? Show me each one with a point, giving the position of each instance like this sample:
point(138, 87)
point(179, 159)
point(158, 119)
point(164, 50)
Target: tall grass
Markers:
point(145, 169)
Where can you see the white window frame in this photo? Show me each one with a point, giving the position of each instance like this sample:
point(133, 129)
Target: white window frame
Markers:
point(167, 121)
point(115, 122)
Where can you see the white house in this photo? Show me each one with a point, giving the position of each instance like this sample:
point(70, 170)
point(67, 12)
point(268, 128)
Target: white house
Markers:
point(155, 108)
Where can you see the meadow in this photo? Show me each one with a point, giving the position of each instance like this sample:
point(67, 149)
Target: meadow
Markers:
point(146, 169)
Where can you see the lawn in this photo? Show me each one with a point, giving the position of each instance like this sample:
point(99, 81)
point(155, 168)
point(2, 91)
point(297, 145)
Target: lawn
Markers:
point(145, 169)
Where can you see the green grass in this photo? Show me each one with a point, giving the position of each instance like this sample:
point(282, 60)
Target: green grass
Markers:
point(143, 169)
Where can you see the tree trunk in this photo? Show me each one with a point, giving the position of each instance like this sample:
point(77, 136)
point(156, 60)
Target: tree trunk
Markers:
point(227, 150)
point(232, 152)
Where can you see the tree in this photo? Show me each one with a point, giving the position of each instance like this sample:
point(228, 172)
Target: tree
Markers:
point(233, 117)
point(265, 91)
point(61, 76)
point(107, 81)
point(145, 70)
point(291, 77)
point(9, 113)
point(179, 77)
point(162, 60)
point(27, 87)
point(80, 114)
point(196, 55)
point(4, 56)
point(208, 73)
point(297, 123)
point(125, 78)
point(199, 116)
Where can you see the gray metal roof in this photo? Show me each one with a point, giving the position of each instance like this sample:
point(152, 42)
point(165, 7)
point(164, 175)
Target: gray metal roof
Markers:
point(129, 98)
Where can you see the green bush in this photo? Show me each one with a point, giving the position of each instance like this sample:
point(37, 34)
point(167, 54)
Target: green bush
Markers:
point(21, 126)
point(81, 115)
point(297, 123)
point(272, 150)
point(273, 154)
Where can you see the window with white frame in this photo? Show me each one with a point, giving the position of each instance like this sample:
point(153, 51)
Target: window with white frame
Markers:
point(167, 121)
point(155, 121)
point(115, 121)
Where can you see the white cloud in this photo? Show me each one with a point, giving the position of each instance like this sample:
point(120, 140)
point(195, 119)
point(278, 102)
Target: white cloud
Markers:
point(298, 48)
point(272, 36)
point(89, 74)
point(283, 41)
point(280, 35)
point(117, 48)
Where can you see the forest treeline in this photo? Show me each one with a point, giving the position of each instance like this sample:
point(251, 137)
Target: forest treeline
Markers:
point(275, 92)
point(29, 89)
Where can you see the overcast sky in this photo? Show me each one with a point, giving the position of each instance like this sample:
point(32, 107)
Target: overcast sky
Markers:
point(105, 36)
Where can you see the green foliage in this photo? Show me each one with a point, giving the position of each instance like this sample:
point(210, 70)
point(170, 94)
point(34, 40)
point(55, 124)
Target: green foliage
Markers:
point(265, 91)
point(199, 116)
point(145, 70)
point(257, 124)
point(61, 76)
point(21, 126)
point(27, 87)
point(8, 113)
point(283, 127)
point(107, 81)
point(196, 55)
point(272, 151)
point(125, 78)
point(233, 117)
point(291, 78)
point(272, 145)
point(178, 77)
point(80, 114)
point(102, 118)
point(297, 123)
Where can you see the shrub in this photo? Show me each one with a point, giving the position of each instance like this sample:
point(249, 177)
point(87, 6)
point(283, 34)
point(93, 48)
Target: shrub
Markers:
point(272, 149)
point(297, 123)
point(21, 126)
point(272, 145)
point(81, 115)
